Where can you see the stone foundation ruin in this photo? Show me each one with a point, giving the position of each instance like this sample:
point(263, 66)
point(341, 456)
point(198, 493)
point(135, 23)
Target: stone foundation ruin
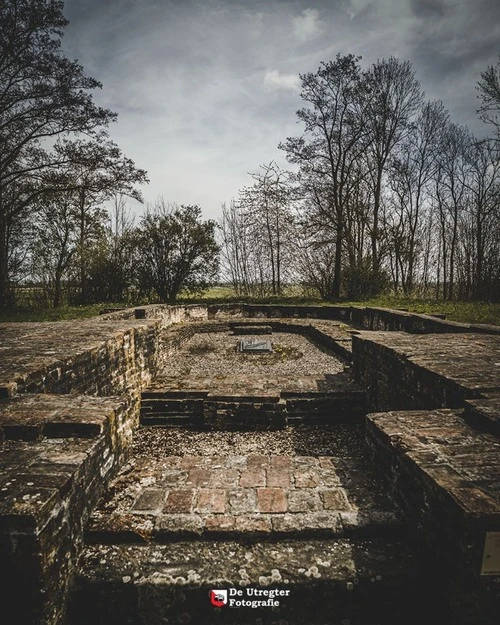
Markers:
point(357, 465)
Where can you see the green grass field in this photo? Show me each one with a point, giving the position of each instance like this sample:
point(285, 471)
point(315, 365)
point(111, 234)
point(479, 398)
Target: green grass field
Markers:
point(467, 312)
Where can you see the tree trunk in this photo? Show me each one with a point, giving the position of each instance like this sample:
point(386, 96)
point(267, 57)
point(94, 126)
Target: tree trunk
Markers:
point(6, 295)
point(376, 210)
point(337, 280)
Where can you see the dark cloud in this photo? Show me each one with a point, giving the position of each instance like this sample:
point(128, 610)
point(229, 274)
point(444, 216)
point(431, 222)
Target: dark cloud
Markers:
point(429, 8)
point(206, 89)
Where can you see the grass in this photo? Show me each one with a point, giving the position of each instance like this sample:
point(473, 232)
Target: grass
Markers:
point(55, 314)
point(466, 312)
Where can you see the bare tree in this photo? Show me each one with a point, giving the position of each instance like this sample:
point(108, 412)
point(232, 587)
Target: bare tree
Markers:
point(334, 139)
point(238, 250)
point(489, 92)
point(96, 170)
point(411, 170)
point(267, 206)
point(395, 97)
point(54, 245)
point(451, 196)
point(483, 214)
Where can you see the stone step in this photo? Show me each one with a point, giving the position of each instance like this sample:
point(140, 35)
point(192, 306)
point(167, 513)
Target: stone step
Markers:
point(165, 405)
point(171, 420)
point(334, 582)
point(236, 411)
point(484, 413)
point(141, 526)
point(168, 393)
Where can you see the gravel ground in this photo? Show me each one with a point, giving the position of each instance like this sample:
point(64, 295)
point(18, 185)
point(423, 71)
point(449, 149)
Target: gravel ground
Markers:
point(217, 353)
point(340, 439)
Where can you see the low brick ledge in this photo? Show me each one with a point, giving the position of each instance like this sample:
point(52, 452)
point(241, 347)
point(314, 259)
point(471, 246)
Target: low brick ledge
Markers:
point(48, 488)
point(250, 411)
point(371, 318)
point(446, 475)
point(443, 452)
point(402, 371)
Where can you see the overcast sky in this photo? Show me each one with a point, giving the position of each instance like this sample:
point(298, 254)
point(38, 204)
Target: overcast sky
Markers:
point(206, 89)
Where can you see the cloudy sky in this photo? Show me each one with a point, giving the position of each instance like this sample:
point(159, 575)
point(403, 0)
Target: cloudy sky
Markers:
point(206, 89)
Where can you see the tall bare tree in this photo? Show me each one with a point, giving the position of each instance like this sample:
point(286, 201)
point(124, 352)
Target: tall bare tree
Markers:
point(451, 194)
point(242, 261)
point(483, 214)
point(334, 139)
point(411, 170)
point(267, 206)
point(395, 97)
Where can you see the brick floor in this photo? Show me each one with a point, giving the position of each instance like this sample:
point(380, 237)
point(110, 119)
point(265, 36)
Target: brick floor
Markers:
point(256, 493)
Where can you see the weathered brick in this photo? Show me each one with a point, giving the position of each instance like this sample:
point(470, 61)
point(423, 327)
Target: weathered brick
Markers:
point(305, 478)
point(252, 478)
point(271, 500)
point(236, 462)
point(198, 477)
point(242, 501)
point(211, 500)
point(173, 477)
point(329, 477)
point(253, 524)
point(280, 462)
point(179, 501)
point(180, 524)
point(304, 501)
point(312, 521)
point(219, 523)
point(335, 499)
point(223, 478)
point(150, 500)
point(278, 477)
point(257, 461)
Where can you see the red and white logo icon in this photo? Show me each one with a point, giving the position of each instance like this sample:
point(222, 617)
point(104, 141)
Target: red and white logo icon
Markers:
point(218, 597)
